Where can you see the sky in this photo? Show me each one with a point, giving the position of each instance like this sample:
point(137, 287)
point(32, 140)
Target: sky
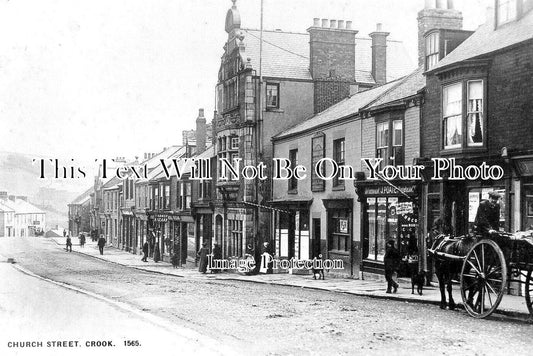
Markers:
point(102, 79)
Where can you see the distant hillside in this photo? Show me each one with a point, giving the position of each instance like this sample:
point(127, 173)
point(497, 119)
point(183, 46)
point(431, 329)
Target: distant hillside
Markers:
point(20, 176)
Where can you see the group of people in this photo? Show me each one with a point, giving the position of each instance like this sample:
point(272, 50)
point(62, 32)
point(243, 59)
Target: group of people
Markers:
point(82, 239)
point(261, 260)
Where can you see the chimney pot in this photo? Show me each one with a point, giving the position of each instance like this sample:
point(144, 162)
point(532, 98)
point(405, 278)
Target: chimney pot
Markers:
point(348, 25)
point(429, 4)
point(379, 27)
point(333, 24)
point(340, 24)
point(441, 4)
point(450, 4)
point(201, 112)
point(316, 22)
point(325, 23)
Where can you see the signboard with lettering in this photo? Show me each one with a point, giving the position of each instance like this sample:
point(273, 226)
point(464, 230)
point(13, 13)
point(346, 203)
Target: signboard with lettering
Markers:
point(388, 190)
point(318, 152)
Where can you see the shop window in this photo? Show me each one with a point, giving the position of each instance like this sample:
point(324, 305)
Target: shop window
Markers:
point(293, 157)
point(339, 156)
point(454, 123)
point(432, 50)
point(341, 231)
point(272, 96)
point(391, 218)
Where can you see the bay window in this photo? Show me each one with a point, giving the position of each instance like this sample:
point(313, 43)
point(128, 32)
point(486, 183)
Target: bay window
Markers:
point(471, 123)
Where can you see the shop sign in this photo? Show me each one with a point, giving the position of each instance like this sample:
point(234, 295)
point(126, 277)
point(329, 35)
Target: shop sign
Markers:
point(160, 217)
point(388, 190)
point(404, 208)
point(36, 222)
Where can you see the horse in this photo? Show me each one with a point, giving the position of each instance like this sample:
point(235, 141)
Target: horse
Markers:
point(448, 255)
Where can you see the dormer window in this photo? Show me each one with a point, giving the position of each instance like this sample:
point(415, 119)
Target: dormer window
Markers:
point(506, 11)
point(432, 50)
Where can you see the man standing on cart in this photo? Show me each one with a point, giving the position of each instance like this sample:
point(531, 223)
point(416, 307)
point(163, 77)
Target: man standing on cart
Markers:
point(487, 221)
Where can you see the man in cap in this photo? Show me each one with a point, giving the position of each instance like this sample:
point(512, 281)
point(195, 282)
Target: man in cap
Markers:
point(487, 220)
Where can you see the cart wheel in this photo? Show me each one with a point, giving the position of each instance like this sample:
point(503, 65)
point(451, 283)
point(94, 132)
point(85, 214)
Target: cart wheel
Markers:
point(483, 279)
point(529, 292)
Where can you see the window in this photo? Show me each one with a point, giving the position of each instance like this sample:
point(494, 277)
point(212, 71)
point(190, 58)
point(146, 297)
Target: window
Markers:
point(382, 142)
point(506, 11)
point(454, 123)
point(475, 113)
point(272, 96)
point(234, 143)
point(166, 197)
point(185, 196)
point(339, 158)
point(293, 157)
point(452, 109)
point(340, 237)
point(235, 240)
point(231, 93)
point(390, 146)
point(432, 50)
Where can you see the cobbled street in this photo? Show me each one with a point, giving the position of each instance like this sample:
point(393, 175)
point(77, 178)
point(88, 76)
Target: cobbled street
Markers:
point(271, 319)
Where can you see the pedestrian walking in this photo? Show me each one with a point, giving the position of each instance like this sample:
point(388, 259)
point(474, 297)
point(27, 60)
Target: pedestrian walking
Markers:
point(82, 240)
point(64, 233)
point(101, 244)
point(69, 244)
point(392, 263)
point(145, 251)
point(202, 254)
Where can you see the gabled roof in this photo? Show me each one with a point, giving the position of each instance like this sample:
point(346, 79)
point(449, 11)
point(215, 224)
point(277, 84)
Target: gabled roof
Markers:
point(21, 207)
point(405, 88)
point(157, 171)
point(286, 55)
point(487, 39)
point(5, 207)
point(83, 197)
point(344, 108)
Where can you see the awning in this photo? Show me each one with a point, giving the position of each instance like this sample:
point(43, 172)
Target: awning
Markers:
point(266, 207)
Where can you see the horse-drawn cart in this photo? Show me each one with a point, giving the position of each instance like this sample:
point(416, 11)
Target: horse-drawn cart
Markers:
point(487, 268)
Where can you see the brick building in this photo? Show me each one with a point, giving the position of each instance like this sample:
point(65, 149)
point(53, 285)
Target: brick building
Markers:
point(478, 111)
point(268, 86)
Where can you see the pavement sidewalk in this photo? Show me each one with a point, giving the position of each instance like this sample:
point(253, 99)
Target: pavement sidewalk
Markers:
point(514, 306)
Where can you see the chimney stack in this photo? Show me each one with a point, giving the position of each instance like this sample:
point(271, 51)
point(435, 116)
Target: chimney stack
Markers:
point(3, 195)
point(332, 51)
point(22, 197)
point(200, 132)
point(437, 14)
point(379, 54)
point(11, 197)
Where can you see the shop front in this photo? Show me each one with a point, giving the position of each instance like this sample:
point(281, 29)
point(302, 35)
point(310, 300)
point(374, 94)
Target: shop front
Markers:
point(389, 212)
point(291, 226)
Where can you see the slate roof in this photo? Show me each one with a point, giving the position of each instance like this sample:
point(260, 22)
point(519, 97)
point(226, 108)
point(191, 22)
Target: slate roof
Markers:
point(346, 107)
point(487, 39)
point(406, 87)
point(22, 207)
point(83, 197)
point(286, 55)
